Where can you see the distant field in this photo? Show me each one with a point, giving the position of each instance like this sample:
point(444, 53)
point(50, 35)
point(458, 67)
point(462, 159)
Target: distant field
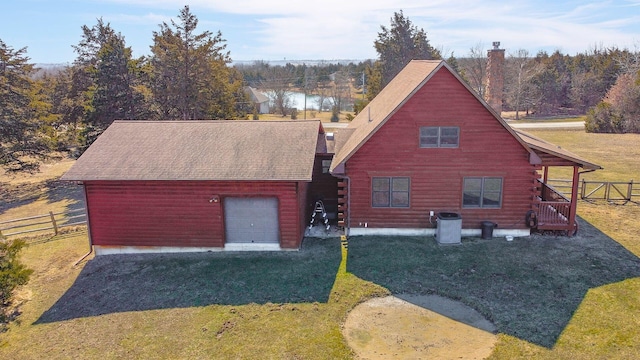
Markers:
point(511, 115)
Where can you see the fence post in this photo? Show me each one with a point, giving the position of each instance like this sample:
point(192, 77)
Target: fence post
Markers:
point(53, 221)
point(630, 190)
point(582, 190)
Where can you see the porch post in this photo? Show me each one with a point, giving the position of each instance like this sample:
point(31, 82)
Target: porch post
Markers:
point(545, 178)
point(574, 198)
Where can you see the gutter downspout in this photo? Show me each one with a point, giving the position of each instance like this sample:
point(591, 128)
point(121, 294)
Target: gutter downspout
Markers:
point(86, 211)
point(584, 172)
point(587, 171)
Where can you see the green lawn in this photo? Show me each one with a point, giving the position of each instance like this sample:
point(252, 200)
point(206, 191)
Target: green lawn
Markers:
point(551, 298)
point(529, 288)
point(554, 119)
point(256, 306)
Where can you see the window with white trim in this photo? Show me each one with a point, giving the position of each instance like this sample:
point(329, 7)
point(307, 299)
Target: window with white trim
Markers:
point(390, 192)
point(482, 192)
point(439, 136)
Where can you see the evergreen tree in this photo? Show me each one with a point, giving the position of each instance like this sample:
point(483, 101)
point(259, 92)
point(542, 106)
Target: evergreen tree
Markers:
point(12, 274)
point(399, 44)
point(191, 79)
point(20, 142)
point(104, 81)
point(374, 80)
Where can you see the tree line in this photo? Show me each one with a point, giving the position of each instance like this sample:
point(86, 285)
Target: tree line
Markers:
point(189, 75)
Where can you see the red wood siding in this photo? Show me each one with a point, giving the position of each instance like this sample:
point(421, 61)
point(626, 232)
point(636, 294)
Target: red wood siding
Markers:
point(485, 149)
point(178, 213)
point(303, 206)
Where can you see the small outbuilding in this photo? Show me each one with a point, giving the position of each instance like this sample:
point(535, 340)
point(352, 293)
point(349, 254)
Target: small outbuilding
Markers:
point(198, 185)
point(260, 100)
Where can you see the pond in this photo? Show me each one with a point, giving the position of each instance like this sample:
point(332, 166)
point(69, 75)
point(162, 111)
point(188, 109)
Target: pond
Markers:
point(297, 100)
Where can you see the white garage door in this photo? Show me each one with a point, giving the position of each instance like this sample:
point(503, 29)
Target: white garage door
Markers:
point(251, 220)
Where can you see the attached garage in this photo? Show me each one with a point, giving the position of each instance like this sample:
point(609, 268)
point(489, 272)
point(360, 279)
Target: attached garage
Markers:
point(173, 186)
point(251, 220)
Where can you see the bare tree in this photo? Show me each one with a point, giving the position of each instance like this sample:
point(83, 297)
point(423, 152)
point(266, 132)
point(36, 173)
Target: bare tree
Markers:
point(323, 94)
point(629, 61)
point(309, 84)
point(475, 68)
point(520, 71)
point(277, 82)
point(340, 92)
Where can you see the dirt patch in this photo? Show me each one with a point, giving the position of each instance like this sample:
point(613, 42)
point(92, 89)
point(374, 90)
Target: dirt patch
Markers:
point(390, 327)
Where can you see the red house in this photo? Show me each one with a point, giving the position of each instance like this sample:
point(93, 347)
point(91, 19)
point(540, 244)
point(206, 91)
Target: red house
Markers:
point(428, 144)
point(198, 185)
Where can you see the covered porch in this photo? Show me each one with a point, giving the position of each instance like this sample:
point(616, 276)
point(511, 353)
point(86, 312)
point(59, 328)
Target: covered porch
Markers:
point(551, 209)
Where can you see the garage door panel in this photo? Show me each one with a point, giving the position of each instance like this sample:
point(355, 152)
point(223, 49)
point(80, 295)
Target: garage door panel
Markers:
point(251, 220)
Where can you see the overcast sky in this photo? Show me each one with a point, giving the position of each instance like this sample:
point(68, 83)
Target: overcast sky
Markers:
point(328, 29)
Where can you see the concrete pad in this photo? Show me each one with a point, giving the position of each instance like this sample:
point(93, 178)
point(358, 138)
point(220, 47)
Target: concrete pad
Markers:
point(389, 327)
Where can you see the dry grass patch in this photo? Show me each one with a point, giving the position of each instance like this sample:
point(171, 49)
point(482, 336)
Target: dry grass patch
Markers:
point(618, 154)
point(324, 116)
point(24, 194)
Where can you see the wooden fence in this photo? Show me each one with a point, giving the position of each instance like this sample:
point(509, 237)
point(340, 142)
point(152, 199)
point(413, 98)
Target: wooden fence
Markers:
point(43, 224)
point(615, 191)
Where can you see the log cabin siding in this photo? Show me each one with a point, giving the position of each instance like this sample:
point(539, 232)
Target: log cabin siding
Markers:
point(179, 213)
point(486, 148)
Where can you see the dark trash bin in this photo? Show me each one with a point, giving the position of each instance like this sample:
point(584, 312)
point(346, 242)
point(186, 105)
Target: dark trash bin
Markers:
point(487, 229)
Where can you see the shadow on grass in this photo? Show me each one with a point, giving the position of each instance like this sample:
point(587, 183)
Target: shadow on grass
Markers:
point(119, 283)
point(53, 190)
point(529, 288)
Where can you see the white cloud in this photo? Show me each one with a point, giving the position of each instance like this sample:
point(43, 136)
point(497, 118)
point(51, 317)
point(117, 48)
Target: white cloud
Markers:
point(146, 19)
point(347, 29)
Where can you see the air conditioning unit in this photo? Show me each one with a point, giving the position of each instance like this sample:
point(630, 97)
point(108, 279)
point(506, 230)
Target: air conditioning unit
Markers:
point(449, 228)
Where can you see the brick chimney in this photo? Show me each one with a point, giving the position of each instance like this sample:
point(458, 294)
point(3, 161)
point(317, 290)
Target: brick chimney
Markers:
point(495, 77)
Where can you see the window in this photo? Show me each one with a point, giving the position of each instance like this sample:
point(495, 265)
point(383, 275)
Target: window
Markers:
point(439, 137)
point(482, 192)
point(390, 192)
point(326, 164)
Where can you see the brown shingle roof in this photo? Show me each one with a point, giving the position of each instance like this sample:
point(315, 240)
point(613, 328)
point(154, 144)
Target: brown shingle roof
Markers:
point(538, 144)
point(384, 105)
point(200, 150)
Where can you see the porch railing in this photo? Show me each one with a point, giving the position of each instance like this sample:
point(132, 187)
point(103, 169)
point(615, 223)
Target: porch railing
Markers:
point(554, 209)
point(553, 214)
